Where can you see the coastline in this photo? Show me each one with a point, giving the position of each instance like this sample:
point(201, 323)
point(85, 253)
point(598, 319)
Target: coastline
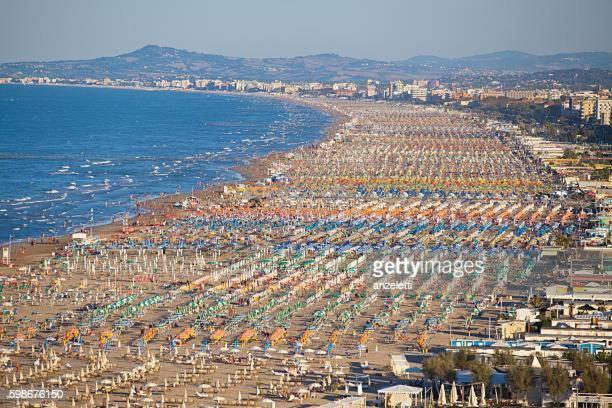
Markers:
point(22, 252)
point(298, 259)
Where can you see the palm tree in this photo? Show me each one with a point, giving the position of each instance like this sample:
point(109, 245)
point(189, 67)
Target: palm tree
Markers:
point(536, 302)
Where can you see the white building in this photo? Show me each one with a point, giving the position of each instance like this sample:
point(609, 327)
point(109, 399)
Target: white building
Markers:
point(604, 111)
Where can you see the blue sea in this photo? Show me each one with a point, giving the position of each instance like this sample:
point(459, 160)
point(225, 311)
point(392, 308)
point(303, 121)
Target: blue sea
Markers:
point(71, 157)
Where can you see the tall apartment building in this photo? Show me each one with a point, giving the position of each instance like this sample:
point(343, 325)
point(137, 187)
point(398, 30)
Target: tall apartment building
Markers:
point(520, 94)
point(604, 111)
point(201, 83)
point(587, 108)
point(181, 83)
point(163, 84)
point(372, 90)
point(420, 94)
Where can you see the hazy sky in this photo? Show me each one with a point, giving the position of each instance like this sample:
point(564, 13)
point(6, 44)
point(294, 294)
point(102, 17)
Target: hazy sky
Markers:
point(383, 29)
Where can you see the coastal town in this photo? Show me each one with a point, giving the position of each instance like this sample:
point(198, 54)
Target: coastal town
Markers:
point(425, 253)
point(587, 104)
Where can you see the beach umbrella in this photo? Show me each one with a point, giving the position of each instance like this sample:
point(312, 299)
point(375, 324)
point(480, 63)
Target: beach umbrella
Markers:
point(239, 397)
point(483, 402)
point(472, 400)
point(453, 394)
point(442, 396)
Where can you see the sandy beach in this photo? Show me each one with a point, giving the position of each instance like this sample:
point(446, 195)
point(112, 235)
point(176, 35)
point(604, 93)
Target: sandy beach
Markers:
point(262, 292)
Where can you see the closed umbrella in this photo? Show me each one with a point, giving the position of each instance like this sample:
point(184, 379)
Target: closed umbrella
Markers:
point(483, 402)
point(453, 394)
point(442, 396)
point(472, 400)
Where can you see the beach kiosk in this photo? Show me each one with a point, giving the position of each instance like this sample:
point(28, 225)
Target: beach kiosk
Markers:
point(79, 237)
point(348, 402)
point(400, 395)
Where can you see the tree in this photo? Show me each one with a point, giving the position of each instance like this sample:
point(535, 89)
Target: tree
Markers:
point(570, 154)
point(441, 366)
point(581, 361)
point(520, 380)
point(562, 240)
point(545, 321)
point(463, 357)
point(604, 357)
point(558, 382)
point(596, 381)
point(482, 371)
point(537, 302)
point(503, 358)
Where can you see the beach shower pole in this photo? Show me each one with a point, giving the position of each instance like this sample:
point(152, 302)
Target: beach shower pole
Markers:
point(450, 327)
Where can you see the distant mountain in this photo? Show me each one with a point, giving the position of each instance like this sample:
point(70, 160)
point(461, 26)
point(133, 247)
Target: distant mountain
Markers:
point(155, 62)
point(572, 78)
point(523, 62)
point(425, 60)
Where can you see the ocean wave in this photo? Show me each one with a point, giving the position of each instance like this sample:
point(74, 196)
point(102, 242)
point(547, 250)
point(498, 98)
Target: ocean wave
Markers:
point(185, 161)
point(50, 200)
point(63, 173)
